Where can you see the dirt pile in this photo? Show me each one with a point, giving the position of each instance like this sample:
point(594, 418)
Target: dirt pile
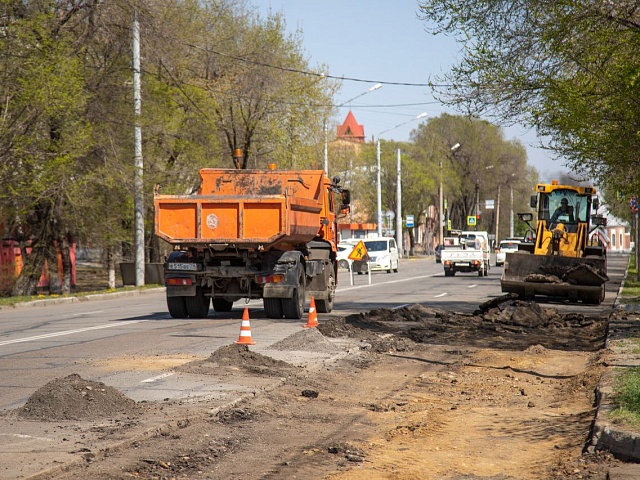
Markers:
point(307, 340)
point(503, 322)
point(231, 359)
point(74, 398)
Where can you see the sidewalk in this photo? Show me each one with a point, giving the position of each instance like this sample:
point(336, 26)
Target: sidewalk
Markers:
point(623, 351)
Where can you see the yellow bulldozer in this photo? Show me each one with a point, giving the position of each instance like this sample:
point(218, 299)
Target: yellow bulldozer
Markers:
point(563, 257)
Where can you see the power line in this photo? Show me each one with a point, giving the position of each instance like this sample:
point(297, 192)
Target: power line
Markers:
point(320, 75)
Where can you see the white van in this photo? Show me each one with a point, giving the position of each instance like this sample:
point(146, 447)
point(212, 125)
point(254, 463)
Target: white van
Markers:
point(383, 255)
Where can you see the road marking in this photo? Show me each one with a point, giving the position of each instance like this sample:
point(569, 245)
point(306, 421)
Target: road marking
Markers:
point(22, 435)
point(69, 332)
point(473, 286)
point(401, 306)
point(441, 295)
point(96, 312)
point(158, 377)
point(412, 279)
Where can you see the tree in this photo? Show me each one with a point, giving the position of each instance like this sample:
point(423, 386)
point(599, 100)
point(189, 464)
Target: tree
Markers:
point(567, 68)
point(43, 136)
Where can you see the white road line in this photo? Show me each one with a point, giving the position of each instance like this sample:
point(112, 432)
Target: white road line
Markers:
point(22, 435)
point(441, 295)
point(473, 286)
point(96, 312)
point(386, 283)
point(69, 332)
point(158, 377)
point(400, 306)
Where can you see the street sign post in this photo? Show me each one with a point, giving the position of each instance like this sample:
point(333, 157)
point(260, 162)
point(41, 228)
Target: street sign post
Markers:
point(360, 254)
point(409, 221)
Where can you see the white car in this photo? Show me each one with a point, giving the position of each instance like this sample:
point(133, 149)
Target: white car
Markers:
point(383, 255)
point(344, 249)
point(506, 246)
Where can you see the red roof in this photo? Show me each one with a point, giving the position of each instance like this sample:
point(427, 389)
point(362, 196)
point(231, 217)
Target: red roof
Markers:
point(351, 129)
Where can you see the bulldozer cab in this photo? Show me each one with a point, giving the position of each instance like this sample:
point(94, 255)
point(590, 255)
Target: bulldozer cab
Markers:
point(563, 219)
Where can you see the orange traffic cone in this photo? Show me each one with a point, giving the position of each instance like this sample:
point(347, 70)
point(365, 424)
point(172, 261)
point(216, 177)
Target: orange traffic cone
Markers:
point(245, 330)
point(313, 316)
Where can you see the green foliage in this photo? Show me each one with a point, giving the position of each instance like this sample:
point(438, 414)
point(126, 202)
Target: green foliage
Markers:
point(631, 289)
point(567, 68)
point(66, 88)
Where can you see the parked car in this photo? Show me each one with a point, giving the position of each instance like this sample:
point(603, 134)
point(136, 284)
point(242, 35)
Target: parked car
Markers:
point(505, 246)
point(383, 255)
point(439, 253)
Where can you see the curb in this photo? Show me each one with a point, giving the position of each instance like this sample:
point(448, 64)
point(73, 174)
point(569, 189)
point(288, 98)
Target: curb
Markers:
point(46, 302)
point(622, 442)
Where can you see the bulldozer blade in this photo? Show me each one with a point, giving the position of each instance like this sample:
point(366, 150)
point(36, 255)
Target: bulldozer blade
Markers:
point(570, 277)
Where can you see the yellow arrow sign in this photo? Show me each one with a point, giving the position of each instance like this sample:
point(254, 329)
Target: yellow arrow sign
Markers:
point(359, 252)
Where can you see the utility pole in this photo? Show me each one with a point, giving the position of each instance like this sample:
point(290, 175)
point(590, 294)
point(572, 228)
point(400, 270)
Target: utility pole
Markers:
point(399, 211)
point(477, 203)
point(138, 182)
point(441, 200)
point(497, 211)
point(511, 211)
point(379, 188)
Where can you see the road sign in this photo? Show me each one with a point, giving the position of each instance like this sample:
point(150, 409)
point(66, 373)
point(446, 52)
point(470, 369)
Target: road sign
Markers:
point(359, 252)
point(471, 220)
point(409, 221)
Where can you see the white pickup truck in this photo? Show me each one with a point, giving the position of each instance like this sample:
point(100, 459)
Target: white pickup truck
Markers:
point(471, 255)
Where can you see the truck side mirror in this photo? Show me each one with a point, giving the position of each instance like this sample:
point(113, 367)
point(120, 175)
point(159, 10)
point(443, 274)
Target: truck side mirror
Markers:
point(525, 217)
point(346, 198)
point(596, 203)
point(533, 202)
point(598, 220)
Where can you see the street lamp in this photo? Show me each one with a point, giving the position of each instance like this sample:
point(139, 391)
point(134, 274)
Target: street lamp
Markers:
point(378, 186)
point(441, 200)
point(326, 146)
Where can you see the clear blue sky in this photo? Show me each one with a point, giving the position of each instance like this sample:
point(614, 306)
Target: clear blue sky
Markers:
point(383, 41)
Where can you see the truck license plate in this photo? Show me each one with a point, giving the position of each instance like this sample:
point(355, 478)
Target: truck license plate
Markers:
point(183, 266)
point(462, 264)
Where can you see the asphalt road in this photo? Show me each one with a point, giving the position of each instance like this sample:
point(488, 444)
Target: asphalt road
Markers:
point(131, 342)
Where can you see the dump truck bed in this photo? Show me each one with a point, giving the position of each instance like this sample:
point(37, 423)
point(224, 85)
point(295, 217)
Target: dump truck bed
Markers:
point(245, 208)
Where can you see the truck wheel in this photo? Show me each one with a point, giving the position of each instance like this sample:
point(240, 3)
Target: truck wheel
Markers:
point(326, 305)
point(395, 270)
point(272, 307)
point(481, 272)
point(486, 269)
point(222, 305)
point(449, 273)
point(294, 307)
point(177, 307)
point(198, 305)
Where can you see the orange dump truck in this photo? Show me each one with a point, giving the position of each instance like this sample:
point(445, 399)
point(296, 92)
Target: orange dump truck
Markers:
point(269, 234)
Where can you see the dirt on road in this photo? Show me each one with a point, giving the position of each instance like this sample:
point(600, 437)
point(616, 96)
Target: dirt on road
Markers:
point(504, 393)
